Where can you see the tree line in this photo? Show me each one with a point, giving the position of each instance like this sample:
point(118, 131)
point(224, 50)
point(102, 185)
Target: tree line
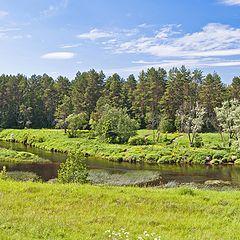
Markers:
point(156, 98)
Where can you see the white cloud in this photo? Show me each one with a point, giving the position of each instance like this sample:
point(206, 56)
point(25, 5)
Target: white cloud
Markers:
point(213, 40)
point(225, 64)
point(145, 25)
point(71, 45)
point(58, 55)
point(3, 14)
point(231, 2)
point(168, 64)
point(95, 34)
point(54, 9)
point(17, 36)
point(145, 62)
point(168, 30)
point(9, 29)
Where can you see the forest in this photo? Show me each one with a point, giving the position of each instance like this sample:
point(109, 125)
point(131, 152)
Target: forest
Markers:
point(154, 99)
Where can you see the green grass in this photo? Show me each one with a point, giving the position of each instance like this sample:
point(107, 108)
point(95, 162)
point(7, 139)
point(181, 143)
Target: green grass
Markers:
point(53, 211)
point(172, 148)
point(11, 156)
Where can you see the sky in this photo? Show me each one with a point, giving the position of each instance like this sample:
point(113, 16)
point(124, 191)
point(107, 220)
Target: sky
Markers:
point(61, 37)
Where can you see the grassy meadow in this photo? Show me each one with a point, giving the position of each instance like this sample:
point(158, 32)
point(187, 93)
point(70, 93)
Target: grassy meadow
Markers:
point(172, 148)
point(54, 211)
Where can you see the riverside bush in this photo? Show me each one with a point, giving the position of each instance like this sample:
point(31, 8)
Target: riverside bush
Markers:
point(114, 125)
point(74, 170)
point(138, 140)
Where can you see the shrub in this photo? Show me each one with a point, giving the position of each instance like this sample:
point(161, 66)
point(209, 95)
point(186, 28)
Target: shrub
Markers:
point(137, 140)
point(114, 125)
point(219, 155)
point(74, 170)
point(167, 125)
point(198, 141)
point(76, 122)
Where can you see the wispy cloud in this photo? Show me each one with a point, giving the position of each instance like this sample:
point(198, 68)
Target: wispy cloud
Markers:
point(58, 55)
point(71, 46)
point(168, 64)
point(225, 64)
point(55, 9)
point(231, 2)
point(213, 40)
point(3, 14)
point(168, 30)
point(12, 33)
point(95, 34)
point(9, 29)
point(145, 25)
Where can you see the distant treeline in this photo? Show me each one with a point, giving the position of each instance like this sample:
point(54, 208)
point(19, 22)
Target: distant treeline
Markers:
point(152, 99)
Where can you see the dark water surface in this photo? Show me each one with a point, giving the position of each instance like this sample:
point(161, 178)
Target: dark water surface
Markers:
point(180, 174)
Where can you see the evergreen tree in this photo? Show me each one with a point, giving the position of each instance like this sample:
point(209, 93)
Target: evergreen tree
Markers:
point(86, 91)
point(235, 88)
point(211, 95)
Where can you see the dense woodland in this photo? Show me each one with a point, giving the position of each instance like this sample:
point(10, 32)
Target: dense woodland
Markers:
point(153, 99)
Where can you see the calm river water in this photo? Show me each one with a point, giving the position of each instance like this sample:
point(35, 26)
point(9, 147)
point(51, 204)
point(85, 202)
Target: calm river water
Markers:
point(179, 174)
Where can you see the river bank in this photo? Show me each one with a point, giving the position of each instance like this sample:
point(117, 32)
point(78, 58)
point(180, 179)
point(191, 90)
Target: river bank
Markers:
point(171, 149)
point(12, 156)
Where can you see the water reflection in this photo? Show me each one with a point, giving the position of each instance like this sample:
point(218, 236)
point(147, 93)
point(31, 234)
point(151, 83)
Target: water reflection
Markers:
point(181, 174)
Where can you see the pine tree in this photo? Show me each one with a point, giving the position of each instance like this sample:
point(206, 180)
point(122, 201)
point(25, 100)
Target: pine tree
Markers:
point(211, 95)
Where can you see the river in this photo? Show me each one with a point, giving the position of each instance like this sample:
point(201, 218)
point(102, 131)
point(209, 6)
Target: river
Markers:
point(180, 174)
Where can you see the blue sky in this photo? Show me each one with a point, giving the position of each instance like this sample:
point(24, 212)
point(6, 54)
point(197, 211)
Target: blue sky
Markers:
point(61, 37)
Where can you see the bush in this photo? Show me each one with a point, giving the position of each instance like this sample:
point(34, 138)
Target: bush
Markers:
point(114, 125)
point(137, 140)
point(76, 122)
point(219, 155)
point(74, 170)
point(198, 141)
point(167, 125)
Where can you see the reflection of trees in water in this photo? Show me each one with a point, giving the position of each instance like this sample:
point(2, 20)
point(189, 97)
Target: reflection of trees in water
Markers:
point(235, 175)
point(178, 173)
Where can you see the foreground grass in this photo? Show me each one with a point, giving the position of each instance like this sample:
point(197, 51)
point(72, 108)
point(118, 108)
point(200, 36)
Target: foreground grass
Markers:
point(11, 156)
point(45, 211)
point(172, 148)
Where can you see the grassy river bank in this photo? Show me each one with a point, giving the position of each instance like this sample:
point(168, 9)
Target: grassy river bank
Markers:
point(172, 148)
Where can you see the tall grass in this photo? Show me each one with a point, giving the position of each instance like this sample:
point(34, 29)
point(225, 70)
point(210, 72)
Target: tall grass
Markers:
point(53, 211)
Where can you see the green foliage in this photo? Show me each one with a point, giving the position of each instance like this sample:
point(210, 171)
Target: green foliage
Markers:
point(74, 170)
point(228, 117)
point(62, 112)
point(198, 141)
point(138, 140)
point(171, 148)
point(76, 122)
point(191, 121)
point(211, 95)
point(114, 125)
point(167, 125)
